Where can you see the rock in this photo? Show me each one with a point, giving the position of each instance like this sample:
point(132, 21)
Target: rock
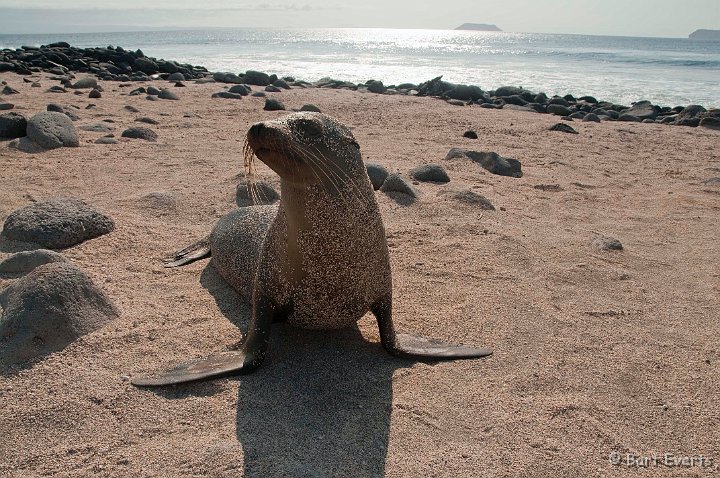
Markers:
point(558, 110)
point(605, 243)
point(55, 107)
point(271, 104)
point(179, 84)
point(131, 108)
point(692, 122)
point(140, 133)
point(430, 173)
point(24, 262)
point(629, 118)
point(491, 161)
point(377, 174)
point(51, 130)
point(57, 223)
point(240, 90)
point(48, 309)
point(227, 95)
point(280, 83)
point(509, 91)
point(310, 107)
point(375, 86)
point(145, 65)
point(712, 181)
point(106, 140)
point(159, 202)
point(147, 120)
point(8, 90)
point(6, 106)
point(395, 183)
point(138, 91)
point(12, 125)
point(255, 193)
point(96, 128)
point(94, 94)
point(87, 82)
point(591, 117)
point(152, 91)
point(472, 198)
point(272, 89)
point(470, 134)
point(177, 76)
point(563, 128)
point(166, 94)
point(707, 122)
point(56, 89)
point(223, 77)
point(642, 110)
point(258, 94)
point(257, 78)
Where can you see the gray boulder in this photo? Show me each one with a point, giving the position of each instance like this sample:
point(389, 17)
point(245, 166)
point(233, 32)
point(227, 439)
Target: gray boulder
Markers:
point(473, 199)
point(6, 106)
point(152, 91)
point(166, 94)
point(375, 86)
point(489, 160)
point(395, 183)
point(227, 95)
point(48, 309)
point(57, 223)
point(558, 110)
point(310, 107)
point(563, 128)
point(591, 117)
point(239, 90)
point(224, 77)
point(271, 104)
point(430, 173)
point(177, 76)
point(257, 78)
point(12, 125)
point(710, 122)
point(642, 110)
point(51, 130)
point(24, 262)
point(606, 243)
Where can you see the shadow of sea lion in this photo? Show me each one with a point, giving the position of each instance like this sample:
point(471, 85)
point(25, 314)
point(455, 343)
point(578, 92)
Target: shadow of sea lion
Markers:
point(319, 406)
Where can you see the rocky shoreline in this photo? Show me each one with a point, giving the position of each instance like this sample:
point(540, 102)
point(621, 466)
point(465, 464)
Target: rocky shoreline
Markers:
point(117, 64)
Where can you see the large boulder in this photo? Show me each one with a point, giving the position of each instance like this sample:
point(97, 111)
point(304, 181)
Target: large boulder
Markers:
point(87, 82)
point(140, 133)
point(51, 130)
point(642, 110)
point(25, 261)
point(57, 223)
point(257, 78)
point(48, 309)
point(252, 193)
point(430, 173)
point(465, 93)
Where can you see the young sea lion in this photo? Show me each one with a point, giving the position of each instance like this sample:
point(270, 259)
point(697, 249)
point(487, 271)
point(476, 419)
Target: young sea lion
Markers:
point(318, 260)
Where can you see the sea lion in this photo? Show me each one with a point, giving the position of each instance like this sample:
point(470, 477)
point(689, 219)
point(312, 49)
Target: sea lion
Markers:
point(318, 260)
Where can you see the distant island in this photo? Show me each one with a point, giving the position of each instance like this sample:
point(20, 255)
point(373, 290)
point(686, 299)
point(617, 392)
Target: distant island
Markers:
point(705, 35)
point(482, 27)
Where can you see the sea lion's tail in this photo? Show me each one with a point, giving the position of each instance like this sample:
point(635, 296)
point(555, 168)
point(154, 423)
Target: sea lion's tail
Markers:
point(195, 251)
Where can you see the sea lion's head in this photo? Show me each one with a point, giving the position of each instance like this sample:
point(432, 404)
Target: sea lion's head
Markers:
point(306, 148)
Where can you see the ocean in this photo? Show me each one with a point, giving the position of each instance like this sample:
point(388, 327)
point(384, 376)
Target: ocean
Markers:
point(666, 71)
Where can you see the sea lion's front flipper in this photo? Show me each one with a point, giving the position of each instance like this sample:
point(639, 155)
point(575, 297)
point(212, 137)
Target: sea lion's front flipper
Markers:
point(195, 251)
point(222, 364)
point(408, 345)
point(217, 365)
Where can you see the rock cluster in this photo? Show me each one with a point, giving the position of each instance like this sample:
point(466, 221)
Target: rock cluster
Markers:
point(109, 63)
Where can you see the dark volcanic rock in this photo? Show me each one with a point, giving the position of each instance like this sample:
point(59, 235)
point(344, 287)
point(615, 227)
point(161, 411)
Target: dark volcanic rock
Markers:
point(57, 223)
point(152, 91)
point(377, 174)
point(642, 110)
point(48, 309)
point(376, 86)
point(227, 95)
point(6, 106)
point(255, 193)
point(94, 94)
point(257, 78)
point(96, 128)
point(51, 130)
point(271, 104)
point(12, 125)
point(147, 120)
point(563, 128)
point(106, 140)
point(140, 133)
point(24, 262)
point(223, 77)
point(395, 183)
point(465, 93)
point(8, 90)
point(591, 117)
point(430, 173)
point(710, 122)
point(240, 90)
point(310, 107)
point(470, 134)
point(629, 118)
point(272, 89)
point(473, 198)
point(177, 76)
point(145, 65)
point(491, 161)
point(558, 110)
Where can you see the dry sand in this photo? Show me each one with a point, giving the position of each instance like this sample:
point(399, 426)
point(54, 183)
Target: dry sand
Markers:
point(595, 351)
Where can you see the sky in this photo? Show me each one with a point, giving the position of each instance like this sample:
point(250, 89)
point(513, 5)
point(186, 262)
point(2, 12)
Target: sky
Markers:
point(664, 18)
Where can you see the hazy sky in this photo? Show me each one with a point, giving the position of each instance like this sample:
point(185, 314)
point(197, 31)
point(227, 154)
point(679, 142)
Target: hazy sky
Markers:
point(604, 17)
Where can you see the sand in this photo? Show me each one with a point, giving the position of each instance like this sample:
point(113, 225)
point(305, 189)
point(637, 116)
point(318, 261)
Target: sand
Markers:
point(595, 352)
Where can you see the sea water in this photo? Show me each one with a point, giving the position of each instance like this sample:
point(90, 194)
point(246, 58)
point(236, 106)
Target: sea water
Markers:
point(666, 71)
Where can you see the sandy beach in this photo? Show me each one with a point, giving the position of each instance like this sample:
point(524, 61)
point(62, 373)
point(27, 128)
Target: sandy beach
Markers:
point(595, 351)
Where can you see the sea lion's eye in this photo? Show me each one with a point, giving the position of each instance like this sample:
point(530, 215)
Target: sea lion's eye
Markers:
point(309, 127)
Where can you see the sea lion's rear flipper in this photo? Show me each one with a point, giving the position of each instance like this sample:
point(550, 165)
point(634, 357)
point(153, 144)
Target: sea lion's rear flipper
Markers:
point(408, 345)
point(195, 251)
point(217, 365)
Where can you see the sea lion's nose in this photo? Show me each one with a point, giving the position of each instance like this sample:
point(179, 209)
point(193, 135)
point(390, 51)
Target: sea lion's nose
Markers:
point(256, 129)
